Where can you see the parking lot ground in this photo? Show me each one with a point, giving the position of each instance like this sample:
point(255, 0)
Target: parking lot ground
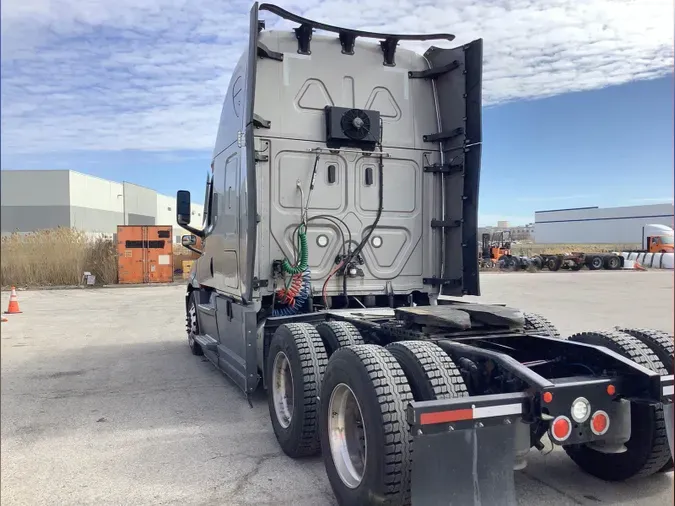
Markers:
point(102, 402)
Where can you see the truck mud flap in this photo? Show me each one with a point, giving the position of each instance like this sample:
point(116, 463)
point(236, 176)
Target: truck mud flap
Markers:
point(667, 391)
point(669, 418)
point(464, 450)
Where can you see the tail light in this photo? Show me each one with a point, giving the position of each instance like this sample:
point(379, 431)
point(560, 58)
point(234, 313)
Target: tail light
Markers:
point(599, 423)
point(581, 410)
point(561, 428)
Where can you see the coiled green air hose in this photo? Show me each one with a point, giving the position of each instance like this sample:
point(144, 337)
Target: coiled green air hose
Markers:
point(304, 255)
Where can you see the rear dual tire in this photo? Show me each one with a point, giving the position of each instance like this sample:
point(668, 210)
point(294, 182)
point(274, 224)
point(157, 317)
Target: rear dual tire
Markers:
point(537, 324)
point(553, 263)
point(612, 263)
point(661, 343)
point(595, 263)
point(295, 367)
point(430, 372)
point(509, 263)
point(367, 460)
point(381, 382)
point(338, 334)
point(647, 449)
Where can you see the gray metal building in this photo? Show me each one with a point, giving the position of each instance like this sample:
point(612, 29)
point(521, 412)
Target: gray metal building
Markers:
point(43, 199)
point(595, 225)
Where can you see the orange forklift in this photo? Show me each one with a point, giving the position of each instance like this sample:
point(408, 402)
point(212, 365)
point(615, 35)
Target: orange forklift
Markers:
point(496, 250)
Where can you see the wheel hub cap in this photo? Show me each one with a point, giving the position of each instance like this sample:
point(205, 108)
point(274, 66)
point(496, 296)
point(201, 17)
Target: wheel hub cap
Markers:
point(282, 389)
point(347, 436)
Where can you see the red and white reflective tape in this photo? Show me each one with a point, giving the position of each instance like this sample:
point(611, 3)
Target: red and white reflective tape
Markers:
point(471, 413)
point(669, 387)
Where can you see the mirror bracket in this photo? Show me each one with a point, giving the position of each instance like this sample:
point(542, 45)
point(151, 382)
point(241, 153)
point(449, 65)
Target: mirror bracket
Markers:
point(193, 249)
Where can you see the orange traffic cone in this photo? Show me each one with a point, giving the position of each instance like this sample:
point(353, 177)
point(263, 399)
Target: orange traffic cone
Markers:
point(638, 267)
point(13, 303)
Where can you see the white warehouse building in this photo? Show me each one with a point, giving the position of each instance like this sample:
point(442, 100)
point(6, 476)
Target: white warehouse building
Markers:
point(595, 225)
point(43, 199)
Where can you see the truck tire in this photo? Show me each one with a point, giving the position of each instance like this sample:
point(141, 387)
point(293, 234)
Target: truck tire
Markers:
point(612, 263)
point(595, 263)
point(661, 343)
point(516, 264)
point(553, 263)
point(430, 372)
point(364, 434)
point(537, 262)
point(193, 325)
point(538, 324)
point(508, 263)
point(647, 449)
point(295, 365)
point(338, 334)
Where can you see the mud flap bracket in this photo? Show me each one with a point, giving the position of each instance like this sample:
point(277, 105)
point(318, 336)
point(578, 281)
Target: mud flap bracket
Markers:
point(465, 449)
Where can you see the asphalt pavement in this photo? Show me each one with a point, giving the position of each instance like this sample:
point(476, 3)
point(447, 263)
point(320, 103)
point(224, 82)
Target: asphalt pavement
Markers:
point(102, 402)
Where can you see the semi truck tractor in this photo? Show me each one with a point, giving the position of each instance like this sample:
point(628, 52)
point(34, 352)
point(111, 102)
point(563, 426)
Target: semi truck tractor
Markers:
point(340, 235)
point(657, 239)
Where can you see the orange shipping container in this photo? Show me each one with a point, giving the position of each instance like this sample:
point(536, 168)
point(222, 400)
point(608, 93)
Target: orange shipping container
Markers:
point(145, 254)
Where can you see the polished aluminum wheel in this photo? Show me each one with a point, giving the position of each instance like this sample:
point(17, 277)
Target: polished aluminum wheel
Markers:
point(282, 389)
point(192, 325)
point(348, 445)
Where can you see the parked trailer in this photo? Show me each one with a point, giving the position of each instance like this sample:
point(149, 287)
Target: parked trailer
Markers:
point(341, 206)
point(578, 260)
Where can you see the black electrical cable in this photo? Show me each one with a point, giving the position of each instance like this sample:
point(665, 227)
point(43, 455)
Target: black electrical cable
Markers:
point(304, 207)
point(380, 205)
point(365, 239)
point(334, 220)
point(352, 254)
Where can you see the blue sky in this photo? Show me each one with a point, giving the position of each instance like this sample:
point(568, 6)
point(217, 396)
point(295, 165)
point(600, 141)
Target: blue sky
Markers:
point(578, 96)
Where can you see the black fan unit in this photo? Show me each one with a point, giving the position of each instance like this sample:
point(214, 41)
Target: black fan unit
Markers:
point(354, 128)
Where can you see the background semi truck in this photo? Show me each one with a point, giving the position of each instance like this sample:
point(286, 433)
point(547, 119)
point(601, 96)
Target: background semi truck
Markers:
point(657, 239)
point(340, 216)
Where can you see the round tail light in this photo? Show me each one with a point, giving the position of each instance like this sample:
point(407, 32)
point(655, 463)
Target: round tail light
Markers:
point(599, 423)
point(561, 428)
point(581, 410)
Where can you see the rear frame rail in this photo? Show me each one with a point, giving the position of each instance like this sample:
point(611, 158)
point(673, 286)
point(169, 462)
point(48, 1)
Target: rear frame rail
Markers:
point(631, 380)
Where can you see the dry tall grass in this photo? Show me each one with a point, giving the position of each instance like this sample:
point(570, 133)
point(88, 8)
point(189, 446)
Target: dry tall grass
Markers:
point(531, 249)
point(56, 257)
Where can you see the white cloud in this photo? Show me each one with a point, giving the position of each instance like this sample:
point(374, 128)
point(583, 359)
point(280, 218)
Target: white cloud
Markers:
point(101, 75)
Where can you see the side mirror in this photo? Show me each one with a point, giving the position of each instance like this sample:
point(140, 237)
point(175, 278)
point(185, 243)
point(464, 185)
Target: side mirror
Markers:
point(183, 208)
point(189, 240)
